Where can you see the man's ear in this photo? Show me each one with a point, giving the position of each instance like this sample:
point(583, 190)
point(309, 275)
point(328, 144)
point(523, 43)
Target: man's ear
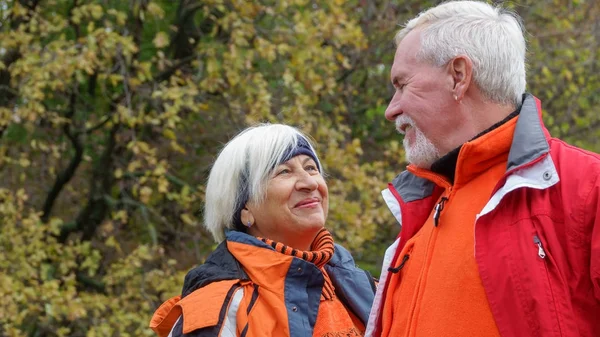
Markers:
point(247, 217)
point(461, 70)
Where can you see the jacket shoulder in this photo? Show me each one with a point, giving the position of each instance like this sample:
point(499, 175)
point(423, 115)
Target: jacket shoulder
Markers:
point(202, 313)
point(220, 265)
point(567, 154)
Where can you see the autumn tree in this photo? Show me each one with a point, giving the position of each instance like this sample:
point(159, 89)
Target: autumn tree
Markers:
point(111, 113)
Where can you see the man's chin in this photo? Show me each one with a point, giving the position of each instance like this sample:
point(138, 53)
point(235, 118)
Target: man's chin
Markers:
point(420, 161)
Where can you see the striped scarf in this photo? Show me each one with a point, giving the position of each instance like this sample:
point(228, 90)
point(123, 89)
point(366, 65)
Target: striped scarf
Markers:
point(321, 251)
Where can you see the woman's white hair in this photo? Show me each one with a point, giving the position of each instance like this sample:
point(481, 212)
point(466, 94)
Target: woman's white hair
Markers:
point(492, 37)
point(242, 170)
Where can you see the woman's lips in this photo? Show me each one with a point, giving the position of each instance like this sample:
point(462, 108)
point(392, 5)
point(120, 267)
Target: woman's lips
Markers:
point(308, 203)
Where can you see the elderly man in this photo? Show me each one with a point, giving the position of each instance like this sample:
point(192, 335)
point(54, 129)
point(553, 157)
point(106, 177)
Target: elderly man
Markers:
point(500, 232)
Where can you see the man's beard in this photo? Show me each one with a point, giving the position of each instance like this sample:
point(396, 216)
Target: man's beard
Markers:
point(422, 153)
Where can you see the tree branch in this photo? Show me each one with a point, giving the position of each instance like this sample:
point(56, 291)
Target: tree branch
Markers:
point(101, 182)
point(95, 127)
point(63, 178)
point(164, 75)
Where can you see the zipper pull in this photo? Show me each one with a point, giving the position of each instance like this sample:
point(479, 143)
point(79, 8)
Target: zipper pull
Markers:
point(541, 251)
point(438, 211)
point(397, 269)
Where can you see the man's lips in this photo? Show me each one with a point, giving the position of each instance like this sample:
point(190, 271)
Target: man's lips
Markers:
point(402, 129)
point(308, 202)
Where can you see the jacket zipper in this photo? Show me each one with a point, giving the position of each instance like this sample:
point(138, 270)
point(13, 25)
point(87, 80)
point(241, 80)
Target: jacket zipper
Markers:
point(538, 242)
point(438, 211)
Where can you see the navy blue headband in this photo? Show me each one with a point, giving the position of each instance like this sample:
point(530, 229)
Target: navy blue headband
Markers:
point(302, 147)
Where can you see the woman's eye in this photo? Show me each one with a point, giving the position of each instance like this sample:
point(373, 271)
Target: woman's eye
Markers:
point(311, 168)
point(283, 171)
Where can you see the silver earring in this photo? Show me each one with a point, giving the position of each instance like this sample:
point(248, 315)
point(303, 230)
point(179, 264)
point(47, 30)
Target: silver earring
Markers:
point(455, 98)
point(249, 224)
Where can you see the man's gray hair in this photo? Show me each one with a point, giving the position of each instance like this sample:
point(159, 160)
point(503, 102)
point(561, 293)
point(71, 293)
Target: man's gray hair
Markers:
point(242, 171)
point(492, 37)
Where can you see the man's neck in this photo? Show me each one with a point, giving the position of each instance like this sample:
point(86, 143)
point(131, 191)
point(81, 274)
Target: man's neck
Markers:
point(446, 165)
point(478, 116)
point(484, 115)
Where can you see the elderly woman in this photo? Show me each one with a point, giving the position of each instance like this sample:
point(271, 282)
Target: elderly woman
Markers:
point(277, 271)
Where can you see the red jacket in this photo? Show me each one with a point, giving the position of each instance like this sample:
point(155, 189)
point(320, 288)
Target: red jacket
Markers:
point(537, 240)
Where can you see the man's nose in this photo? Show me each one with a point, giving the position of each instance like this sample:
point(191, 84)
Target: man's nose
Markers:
point(393, 109)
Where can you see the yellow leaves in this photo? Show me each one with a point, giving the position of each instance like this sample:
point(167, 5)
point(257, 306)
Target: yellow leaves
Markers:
point(178, 148)
point(283, 49)
point(120, 216)
point(155, 10)
point(161, 40)
point(212, 66)
point(145, 194)
point(163, 185)
point(187, 219)
point(546, 72)
point(169, 134)
point(29, 253)
point(343, 60)
point(248, 9)
point(96, 11)
point(112, 243)
point(288, 78)
point(115, 79)
point(24, 162)
point(87, 11)
point(266, 49)
point(18, 10)
point(144, 70)
point(120, 17)
point(134, 165)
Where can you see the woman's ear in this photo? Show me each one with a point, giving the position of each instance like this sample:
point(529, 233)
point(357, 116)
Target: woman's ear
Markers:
point(247, 217)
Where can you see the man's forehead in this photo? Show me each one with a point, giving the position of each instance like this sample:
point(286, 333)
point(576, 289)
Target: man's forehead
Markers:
point(409, 46)
point(406, 54)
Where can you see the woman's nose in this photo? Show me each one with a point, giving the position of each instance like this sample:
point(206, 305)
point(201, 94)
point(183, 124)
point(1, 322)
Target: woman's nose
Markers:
point(306, 181)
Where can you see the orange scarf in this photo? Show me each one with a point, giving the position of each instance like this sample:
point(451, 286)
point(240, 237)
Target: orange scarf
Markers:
point(321, 252)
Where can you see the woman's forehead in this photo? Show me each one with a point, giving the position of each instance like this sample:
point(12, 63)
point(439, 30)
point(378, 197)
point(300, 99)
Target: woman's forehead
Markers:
point(302, 158)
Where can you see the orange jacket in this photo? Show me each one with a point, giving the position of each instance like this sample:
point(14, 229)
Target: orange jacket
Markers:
point(246, 288)
point(437, 269)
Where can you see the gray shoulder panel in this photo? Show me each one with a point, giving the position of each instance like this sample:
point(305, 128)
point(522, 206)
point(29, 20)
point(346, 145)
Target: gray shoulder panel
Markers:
point(529, 141)
point(411, 188)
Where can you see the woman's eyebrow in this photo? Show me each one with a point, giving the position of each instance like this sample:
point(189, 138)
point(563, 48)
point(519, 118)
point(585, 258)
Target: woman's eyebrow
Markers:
point(306, 159)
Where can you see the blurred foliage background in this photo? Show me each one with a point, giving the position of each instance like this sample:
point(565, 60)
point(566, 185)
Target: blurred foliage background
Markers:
point(112, 111)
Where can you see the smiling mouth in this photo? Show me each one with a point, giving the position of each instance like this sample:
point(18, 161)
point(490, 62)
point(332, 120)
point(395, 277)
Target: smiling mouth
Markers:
point(403, 128)
point(308, 203)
